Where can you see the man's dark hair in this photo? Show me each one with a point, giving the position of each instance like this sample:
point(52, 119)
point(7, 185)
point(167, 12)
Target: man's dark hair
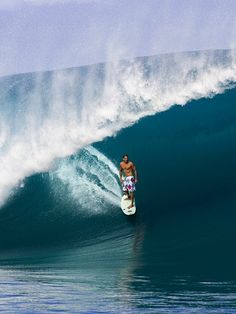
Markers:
point(126, 155)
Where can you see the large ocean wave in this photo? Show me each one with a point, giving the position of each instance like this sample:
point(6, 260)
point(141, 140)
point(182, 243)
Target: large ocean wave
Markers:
point(185, 196)
point(50, 115)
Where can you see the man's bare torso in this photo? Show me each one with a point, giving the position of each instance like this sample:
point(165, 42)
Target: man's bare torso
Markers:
point(128, 168)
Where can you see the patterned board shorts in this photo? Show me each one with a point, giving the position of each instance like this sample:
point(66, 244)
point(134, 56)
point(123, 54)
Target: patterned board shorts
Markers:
point(129, 184)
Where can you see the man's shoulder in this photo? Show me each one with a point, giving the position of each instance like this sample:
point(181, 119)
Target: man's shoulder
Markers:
point(130, 163)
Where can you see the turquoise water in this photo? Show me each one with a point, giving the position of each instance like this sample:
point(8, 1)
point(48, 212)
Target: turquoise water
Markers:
point(66, 246)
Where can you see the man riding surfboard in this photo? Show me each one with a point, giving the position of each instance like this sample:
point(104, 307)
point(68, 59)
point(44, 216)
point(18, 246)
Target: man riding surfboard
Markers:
point(130, 178)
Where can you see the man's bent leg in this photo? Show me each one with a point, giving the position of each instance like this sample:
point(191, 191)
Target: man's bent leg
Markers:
point(128, 196)
point(125, 190)
point(132, 200)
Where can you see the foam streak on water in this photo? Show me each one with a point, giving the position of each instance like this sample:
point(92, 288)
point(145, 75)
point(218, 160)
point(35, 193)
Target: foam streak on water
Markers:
point(89, 180)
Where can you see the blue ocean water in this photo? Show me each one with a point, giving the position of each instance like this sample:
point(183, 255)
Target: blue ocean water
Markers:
point(65, 244)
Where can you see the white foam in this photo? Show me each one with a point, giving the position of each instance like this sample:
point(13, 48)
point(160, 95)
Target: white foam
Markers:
point(89, 180)
point(46, 117)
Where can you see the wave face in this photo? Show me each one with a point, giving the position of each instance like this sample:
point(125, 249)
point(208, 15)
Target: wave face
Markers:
point(63, 229)
point(51, 115)
point(69, 203)
point(185, 158)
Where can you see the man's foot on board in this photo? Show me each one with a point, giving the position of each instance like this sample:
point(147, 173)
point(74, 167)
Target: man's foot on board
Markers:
point(127, 198)
point(130, 206)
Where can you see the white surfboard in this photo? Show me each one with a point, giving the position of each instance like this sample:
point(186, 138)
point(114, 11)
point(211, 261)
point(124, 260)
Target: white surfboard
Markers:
point(124, 206)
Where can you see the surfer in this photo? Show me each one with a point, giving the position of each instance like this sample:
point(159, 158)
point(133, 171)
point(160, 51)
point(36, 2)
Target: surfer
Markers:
point(128, 182)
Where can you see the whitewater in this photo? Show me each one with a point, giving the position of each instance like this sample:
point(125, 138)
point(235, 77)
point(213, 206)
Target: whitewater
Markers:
point(47, 116)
